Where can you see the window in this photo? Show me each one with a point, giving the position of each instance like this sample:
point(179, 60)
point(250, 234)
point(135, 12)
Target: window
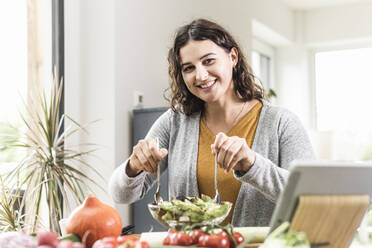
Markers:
point(343, 96)
point(25, 64)
point(262, 63)
point(261, 68)
point(13, 72)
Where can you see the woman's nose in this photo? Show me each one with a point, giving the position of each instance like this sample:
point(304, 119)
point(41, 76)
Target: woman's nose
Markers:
point(201, 73)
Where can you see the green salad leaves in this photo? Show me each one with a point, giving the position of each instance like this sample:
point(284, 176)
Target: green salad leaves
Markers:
point(193, 209)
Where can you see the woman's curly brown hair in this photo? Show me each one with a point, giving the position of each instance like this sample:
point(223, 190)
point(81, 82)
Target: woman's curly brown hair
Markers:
point(181, 99)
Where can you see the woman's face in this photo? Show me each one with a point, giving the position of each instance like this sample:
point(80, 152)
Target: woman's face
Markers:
point(207, 70)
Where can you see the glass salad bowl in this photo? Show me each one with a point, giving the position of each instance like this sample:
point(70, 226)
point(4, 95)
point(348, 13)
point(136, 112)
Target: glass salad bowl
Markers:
point(179, 213)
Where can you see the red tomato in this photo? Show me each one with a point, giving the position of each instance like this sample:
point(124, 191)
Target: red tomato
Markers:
point(170, 237)
point(166, 240)
point(183, 239)
point(238, 237)
point(220, 240)
point(177, 238)
point(195, 235)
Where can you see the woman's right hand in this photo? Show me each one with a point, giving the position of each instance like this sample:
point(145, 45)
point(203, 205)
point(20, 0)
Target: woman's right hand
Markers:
point(146, 156)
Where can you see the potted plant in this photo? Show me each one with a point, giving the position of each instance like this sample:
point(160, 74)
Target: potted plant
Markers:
point(10, 217)
point(48, 171)
point(271, 93)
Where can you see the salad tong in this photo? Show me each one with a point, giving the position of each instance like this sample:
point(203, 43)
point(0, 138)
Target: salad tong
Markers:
point(217, 198)
point(157, 197)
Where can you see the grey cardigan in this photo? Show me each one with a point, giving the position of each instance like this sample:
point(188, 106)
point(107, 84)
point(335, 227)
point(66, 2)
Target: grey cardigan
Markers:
point(280, 139)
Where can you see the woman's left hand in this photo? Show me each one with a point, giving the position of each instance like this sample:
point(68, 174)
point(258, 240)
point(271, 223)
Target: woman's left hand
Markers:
point(233, 153)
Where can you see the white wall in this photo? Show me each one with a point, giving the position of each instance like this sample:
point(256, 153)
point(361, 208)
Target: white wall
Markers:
point(292, 74)
point(116, 47)
point(338, 25)
point(293, 85)
point(275, 15)
point(90, 82)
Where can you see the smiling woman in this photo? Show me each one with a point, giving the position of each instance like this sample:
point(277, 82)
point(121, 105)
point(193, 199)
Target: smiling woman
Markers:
point(217, 109)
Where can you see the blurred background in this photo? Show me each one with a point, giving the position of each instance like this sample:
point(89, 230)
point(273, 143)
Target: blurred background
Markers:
point(314, 54)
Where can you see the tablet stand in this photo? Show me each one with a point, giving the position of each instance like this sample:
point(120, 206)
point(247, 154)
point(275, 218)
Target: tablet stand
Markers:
point(329, 219)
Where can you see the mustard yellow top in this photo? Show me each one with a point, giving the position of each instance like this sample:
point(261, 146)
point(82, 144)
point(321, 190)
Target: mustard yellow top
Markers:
point(228, 185)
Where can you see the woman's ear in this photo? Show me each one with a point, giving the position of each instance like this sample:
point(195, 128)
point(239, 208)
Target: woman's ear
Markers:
point(234, 56)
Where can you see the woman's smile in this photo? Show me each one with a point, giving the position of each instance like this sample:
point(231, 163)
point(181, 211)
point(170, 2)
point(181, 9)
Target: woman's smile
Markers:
point(208, 84)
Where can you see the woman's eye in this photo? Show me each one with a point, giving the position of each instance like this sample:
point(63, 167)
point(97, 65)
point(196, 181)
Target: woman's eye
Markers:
point(208, 61)
point(187, 68)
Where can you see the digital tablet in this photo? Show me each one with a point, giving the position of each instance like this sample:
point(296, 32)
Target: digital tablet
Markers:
point(321, 178)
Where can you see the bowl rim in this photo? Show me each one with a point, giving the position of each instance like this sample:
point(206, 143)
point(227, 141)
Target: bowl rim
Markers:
point(176, 224)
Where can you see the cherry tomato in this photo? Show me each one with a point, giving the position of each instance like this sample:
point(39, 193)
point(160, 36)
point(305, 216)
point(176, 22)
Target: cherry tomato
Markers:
point(170, 236)
point(177, 238)
point(220, 240)
point(238, 237)
point(195, 235)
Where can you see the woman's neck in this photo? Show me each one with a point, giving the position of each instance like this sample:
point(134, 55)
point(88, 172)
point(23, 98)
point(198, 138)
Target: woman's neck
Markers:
point(222, 111)
point(223, 116)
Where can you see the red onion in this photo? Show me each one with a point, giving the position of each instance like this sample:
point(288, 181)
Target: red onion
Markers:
point(17, 239)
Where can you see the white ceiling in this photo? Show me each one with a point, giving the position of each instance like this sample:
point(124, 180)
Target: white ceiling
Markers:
point(312, 4)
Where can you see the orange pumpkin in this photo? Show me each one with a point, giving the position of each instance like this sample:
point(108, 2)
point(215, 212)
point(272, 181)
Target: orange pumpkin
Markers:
point(94, 220)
